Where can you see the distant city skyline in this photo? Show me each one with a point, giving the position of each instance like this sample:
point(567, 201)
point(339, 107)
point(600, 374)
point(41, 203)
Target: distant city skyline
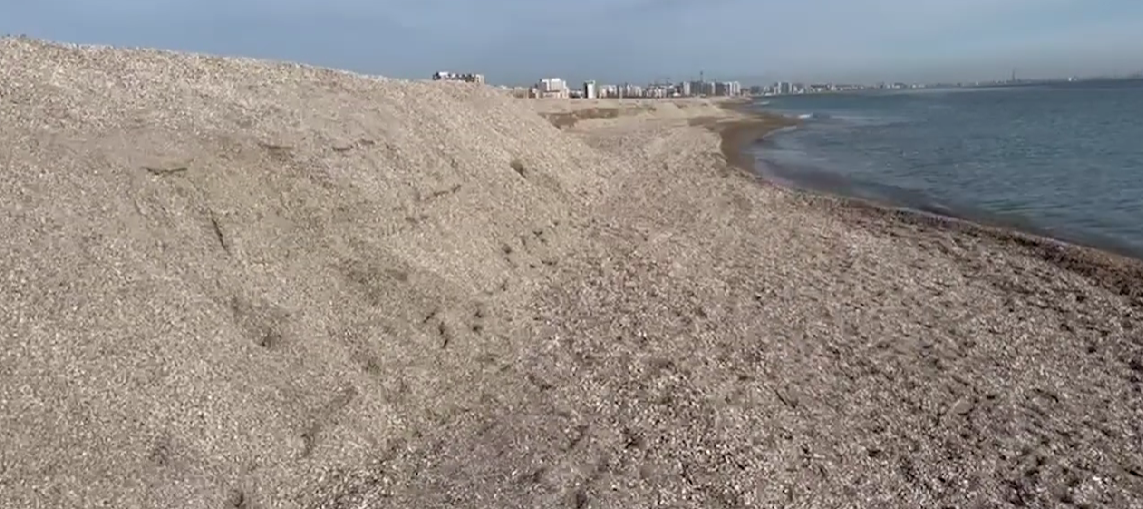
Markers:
point(518, 41)
point(559, 88)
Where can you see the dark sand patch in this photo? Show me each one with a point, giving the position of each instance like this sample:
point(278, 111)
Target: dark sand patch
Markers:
point(738, 134)
point(568, 119)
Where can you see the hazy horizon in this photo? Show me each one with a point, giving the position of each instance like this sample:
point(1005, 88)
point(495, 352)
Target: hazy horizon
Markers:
point(518, 42)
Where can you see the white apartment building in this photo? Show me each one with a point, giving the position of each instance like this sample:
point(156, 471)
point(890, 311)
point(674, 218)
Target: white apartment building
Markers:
point(590, 90)
point(728, 88)
point(552, 88)
point(553, 85)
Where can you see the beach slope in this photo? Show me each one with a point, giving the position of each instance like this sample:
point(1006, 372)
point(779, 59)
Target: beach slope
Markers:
point(237, 283)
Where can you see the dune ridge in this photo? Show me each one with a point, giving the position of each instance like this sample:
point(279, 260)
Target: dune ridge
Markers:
point(239, 283)
point(247, 240)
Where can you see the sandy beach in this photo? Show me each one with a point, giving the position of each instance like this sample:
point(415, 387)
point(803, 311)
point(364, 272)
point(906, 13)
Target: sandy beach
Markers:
point(237, 283)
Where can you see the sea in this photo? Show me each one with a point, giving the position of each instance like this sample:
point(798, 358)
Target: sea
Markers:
point(1063, 160)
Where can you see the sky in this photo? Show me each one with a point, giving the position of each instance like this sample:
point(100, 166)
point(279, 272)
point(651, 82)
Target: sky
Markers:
point(521, 41)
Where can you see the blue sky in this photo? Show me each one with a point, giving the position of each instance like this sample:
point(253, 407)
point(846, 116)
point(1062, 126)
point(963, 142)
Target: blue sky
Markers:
point(519, 41)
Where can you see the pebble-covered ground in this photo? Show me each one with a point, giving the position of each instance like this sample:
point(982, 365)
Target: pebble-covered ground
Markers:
point(231, 283)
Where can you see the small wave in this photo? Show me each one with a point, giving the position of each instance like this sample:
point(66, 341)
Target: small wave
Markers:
point(813, 115)
point(781, 130)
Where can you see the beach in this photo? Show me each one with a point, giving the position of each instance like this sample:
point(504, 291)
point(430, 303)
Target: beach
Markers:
point(237, 283)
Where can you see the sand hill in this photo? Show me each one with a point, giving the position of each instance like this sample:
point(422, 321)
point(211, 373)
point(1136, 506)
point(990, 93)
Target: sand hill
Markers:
point(237, 283)
point(220, 267)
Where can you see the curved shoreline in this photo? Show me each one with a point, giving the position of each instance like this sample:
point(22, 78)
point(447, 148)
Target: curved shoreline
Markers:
point(1111, 270)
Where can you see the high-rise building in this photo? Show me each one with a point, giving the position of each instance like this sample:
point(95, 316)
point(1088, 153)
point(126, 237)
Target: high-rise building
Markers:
point(727, 88)
point(590, 90)
point(553, 87)
point(698, 87)
point(733, 88)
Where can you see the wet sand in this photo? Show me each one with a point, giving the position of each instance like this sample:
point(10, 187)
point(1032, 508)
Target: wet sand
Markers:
point(1108, 267)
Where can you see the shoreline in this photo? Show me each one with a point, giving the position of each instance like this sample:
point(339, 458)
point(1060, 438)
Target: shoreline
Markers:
point(1112, 270)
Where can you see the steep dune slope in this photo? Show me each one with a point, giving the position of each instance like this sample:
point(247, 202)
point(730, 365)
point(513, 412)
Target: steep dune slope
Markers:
point(224, 273)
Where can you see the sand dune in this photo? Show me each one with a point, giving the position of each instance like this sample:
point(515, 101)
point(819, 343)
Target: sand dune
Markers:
point(218, 267)
point(251, 284)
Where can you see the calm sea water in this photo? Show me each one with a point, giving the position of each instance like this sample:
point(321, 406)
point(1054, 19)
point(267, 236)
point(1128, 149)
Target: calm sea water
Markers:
point(1064, 160)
